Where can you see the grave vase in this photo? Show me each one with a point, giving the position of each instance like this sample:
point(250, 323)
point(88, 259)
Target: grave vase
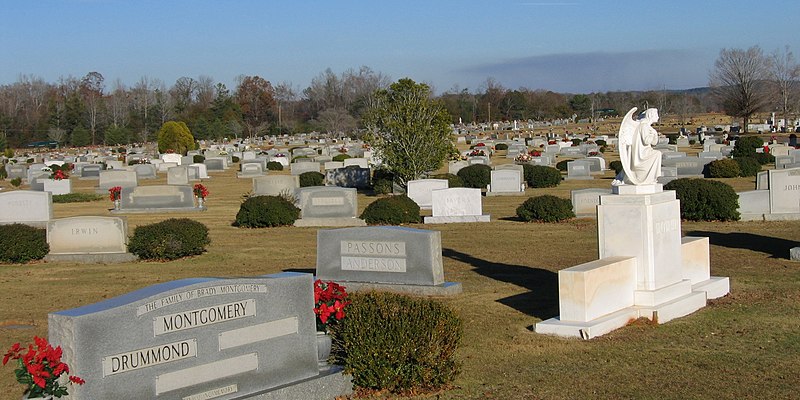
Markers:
point(116, 204)
point(201, 202)
point(25, 397)
point(323, 348)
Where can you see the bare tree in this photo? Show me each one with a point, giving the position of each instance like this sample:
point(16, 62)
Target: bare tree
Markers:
point(119, 105)
point(92, 90)
point(738, 81)
point(335, 120)
point(784, 72)
point(285, 96)
point(56, 134)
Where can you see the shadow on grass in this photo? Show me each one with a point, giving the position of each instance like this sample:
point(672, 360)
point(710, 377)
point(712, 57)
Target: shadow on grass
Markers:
point(541, 300)
point(775, 247)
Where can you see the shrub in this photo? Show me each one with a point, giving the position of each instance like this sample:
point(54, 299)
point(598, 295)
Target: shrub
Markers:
point(673, 138)
point(394, 210)
point(169, 239)
point(16, 182)
point(452, 180)
point(22, 243)
point(501, 146)
point(312, 178)
point(235, 159)
point(546, 208)
point(382, 186)
point(576, 142)
point(616, 165)
point(705, 200)
point(476, 176)
point(274, 166)
point(382, 173)
point(77, 197)
point(541, 176)
point(299, 158)
point(562, 165)
point(340, 157)
point(764, 158)
point(724, 168)
point(692, 142)
point(266, 211)
point(198, 159)
point(746, 146)
point(748, 166)
point(600, 142)
point(398, 343)
point(3, 173)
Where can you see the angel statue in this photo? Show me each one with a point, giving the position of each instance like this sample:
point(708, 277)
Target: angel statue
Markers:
point(641, 163)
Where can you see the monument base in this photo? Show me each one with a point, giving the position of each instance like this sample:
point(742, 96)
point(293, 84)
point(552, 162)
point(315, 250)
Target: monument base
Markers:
point(329, 384)
point(157, 210)
point(492, 194)
point(715, 287)
point(333, 222)
point(677, 308)
point(457, 219)
point(445, 289)
point(97, 258)
point(589, 329)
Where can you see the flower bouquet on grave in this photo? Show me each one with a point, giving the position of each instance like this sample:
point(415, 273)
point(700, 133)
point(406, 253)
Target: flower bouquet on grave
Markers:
point(535, 153)
point(476, 153)
point(58, 175)
point(330, 300)
point(201, 193)
point(115, 194)
point(39, 367)
point(522, 158)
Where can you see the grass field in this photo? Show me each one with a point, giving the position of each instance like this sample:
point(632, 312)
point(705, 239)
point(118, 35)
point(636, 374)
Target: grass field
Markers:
point(745, 345)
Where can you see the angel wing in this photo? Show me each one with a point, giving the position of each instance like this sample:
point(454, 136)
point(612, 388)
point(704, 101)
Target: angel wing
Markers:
point(627, 131)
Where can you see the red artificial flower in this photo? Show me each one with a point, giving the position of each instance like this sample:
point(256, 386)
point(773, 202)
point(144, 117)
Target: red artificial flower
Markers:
point(76, 380)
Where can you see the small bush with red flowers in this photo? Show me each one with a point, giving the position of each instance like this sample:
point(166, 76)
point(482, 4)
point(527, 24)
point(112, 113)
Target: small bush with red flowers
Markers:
point(39, 367)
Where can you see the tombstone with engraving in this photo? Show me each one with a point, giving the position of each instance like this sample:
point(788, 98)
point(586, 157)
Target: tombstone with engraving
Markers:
point(27, 207)
point(420, 191)
point(506, 182)
point(579, 169)
point(384, 258)
point(455, 205)
point(157, 199)
point(585, 201)
point(327, 206)
point(109, 179)
point(200, 338)
point(350, 177)
point(275, 185)
point(178, 176)
point(88, 239)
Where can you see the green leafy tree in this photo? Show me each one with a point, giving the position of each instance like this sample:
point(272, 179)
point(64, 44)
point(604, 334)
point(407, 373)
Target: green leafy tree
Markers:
point(80, 136)
point(175, 135)
point(117, 135)
point(409, 129)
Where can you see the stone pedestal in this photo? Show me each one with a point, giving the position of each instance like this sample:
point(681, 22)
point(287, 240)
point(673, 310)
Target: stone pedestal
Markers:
point(645, 270)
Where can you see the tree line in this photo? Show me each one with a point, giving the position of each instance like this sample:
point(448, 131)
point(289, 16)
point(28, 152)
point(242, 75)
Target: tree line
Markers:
point(89, 110)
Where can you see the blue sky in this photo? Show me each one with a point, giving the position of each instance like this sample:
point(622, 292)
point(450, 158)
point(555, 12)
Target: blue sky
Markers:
point(576, 46)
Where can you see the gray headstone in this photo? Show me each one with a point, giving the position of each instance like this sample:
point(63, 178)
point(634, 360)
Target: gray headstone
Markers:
point(275, 185)
point(327, 202)
point(178, 176)
point(157, 198)
point(784, 191)
point(349, 177)
point(26, 207)
point(121, 178)
point(506, 181)
point(579, 169)
point(298, 168)
point(585, 201)
point(420, 190)
point(144, 171)
point(196, 338)
point(380, 255)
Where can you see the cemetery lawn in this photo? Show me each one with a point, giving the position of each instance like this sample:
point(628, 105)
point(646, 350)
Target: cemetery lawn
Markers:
point(745, 345)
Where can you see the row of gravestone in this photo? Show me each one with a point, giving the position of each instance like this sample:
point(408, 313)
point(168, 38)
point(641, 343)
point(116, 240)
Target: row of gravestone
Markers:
point(208, 338)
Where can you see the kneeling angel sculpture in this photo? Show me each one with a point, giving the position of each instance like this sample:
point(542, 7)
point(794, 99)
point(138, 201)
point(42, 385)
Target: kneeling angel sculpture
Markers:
point(641, 163)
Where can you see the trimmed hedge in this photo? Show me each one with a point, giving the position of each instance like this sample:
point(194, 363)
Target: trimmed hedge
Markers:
point(562, 165)
point(764, 158)
point(546, 208)
point(476, 176)
point(266, 211)
point(3, 173)
point(340, 157)
point(78, 197)
point(501, 146)
point(541, 176)
point(312, 178)
point(453, 181)
point(393, 210)
point(169, 240)
point(705, 200)
point(22, 243)
point(274, 166)
point(748, 166)
point(724, 168)
point(382, 186)
point(397, 343)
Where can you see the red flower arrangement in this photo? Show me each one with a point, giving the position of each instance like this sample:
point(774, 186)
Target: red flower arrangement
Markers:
point(40, 368)
point(330, 299)
point(476, 153)
point(535, 153)
point(59, 175)
point(114, 193)
point(200, 191)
